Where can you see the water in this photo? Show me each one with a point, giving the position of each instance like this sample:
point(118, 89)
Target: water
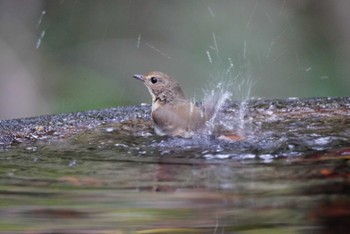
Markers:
point(288, 175)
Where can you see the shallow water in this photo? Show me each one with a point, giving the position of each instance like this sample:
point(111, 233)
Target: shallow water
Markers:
point(284, 176)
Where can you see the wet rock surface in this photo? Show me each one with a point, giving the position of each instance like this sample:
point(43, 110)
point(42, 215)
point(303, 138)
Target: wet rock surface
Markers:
point(48, 127)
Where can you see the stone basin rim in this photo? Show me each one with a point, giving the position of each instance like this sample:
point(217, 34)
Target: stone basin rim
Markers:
point(58, 126)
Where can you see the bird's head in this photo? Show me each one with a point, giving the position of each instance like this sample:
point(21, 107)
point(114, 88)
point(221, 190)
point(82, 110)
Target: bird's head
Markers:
point(161, 87)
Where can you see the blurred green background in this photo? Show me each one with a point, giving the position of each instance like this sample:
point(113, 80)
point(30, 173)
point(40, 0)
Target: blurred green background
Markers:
point(63, 56)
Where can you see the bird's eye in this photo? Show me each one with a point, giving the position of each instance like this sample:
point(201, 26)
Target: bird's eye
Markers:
point(154, 80)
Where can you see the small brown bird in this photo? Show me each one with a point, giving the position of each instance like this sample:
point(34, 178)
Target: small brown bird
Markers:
point(172, 113)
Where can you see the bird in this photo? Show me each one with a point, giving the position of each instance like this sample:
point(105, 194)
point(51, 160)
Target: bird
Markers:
point(172, 113)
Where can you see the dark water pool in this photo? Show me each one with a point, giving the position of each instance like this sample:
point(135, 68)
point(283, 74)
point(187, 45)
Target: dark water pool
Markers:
point(287, 175)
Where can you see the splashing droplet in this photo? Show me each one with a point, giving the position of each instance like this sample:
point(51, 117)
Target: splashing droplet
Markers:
point(209, 57)
point(42, 35)
point(72, 163)
point(40, 19)
point(138, 41)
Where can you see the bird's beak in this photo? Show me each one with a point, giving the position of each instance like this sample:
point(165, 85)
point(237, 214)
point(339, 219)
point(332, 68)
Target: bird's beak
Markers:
point(139, 77)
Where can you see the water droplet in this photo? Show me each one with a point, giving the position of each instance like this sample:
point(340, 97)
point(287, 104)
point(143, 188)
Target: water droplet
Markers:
point(72, 163)
point(322, 140)
point(209, 57)
point(138, 41)
point(267, 158)
point(110, 129)
point(211, 12)
point(217, 156)
point(38, 42)
point(145, 134)
point(158, 51)
point(32, 148)
point(40, 19)
point(164, 152)
point(121, 145)
point(247, 156)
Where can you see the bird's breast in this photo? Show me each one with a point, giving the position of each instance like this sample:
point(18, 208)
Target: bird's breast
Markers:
point(180, 119)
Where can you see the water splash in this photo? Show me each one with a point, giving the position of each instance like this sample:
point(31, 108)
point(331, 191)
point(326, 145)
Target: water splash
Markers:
point(230, 67)
point(215, 101)
point(216, 47)
point(209, 57)
point(42, 34)
point(40, 39)
point(138, 43)
point(158, 51)
point(211, 12)
point(244, 50)
point(40, 19)
point(252, 14)
point(228, 85)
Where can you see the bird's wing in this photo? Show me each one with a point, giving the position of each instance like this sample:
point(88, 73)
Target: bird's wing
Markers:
point(178, 119)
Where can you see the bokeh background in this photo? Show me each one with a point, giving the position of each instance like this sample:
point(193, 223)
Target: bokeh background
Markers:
point(63, 56)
